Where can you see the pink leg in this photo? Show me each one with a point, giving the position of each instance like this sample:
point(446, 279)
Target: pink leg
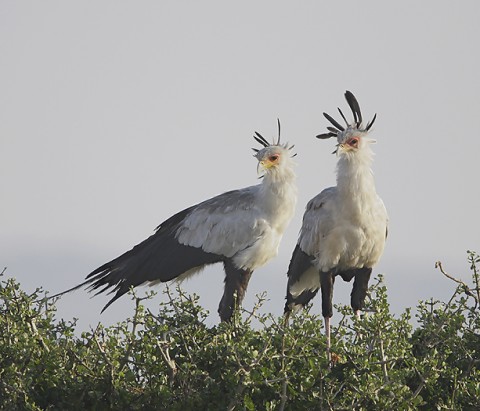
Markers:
point(327, 333)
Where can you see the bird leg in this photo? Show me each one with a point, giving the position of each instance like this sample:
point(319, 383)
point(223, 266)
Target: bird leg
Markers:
point(360, 288)
point(359, 292)
point(236, 282)
point(327, 333)
point(326, 283)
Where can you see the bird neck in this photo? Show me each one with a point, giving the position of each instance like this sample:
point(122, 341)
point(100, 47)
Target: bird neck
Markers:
point(278, 192)
point(278, 182)
point(355, 180)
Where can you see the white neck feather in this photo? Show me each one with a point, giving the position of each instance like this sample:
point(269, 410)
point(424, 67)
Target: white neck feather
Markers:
point(355, 182)
point(278, 192)
point(278, 179)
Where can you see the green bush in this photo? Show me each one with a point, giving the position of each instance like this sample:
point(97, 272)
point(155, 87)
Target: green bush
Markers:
point(171, 360)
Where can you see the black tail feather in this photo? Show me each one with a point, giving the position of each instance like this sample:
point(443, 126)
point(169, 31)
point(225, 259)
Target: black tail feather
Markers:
point(158, 258)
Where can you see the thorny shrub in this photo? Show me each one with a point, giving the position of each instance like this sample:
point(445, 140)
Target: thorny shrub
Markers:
point(171, 360)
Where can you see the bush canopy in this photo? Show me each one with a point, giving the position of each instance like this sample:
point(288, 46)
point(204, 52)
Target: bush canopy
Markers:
point(171, 360)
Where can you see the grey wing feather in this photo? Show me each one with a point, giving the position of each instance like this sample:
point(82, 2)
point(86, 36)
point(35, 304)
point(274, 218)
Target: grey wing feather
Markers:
point(317, 221)
point(225, 224)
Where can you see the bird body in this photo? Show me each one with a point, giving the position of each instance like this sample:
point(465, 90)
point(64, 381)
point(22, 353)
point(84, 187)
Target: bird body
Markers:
point(241, 229)
point(245, 225)
point(344, 227)
point(341, 226)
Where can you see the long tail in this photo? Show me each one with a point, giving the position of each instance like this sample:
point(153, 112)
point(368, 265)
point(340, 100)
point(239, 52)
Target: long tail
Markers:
point(159, 258)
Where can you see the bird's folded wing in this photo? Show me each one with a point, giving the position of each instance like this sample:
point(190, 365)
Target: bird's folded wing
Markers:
point(317, 221)
point(225, 224)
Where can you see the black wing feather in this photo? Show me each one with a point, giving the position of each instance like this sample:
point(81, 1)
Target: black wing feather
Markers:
point(299, 264)
point(158, 258)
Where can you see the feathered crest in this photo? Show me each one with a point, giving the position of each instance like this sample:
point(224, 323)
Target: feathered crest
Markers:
point(357, 119)
point(263, 141)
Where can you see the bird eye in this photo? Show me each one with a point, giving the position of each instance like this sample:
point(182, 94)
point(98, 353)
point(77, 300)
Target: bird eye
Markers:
point(353, 142)
point(274, 157)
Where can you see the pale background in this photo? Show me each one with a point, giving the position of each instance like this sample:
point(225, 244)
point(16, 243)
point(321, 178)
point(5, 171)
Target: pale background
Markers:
point(114, 115)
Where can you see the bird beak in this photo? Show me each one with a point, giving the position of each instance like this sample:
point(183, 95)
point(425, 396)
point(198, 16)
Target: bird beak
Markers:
point(343, 148)
point(260, 169)
point(265, 164)
point(340, 149)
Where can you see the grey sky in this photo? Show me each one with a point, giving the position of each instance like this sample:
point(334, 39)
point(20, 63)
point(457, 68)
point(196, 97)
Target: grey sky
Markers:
point(114, 115)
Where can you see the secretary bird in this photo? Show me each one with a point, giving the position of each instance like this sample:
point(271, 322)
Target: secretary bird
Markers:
point(241, 229)
point(344, 227)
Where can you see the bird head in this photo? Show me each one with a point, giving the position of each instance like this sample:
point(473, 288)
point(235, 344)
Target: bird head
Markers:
point(353, 137)
point(273, 157)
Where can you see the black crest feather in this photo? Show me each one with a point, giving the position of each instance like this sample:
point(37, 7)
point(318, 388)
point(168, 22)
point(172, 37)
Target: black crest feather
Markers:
point(354, 106)
point(263, 141)
point(357, 118)
point(260, 139)
point(278, 122)
point(333, 121)
point(370, 123)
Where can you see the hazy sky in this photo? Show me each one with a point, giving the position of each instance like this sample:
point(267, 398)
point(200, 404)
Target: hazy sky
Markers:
point(114, 115)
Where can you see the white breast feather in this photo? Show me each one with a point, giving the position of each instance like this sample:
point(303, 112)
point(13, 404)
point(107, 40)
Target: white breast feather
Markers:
point(345, 229)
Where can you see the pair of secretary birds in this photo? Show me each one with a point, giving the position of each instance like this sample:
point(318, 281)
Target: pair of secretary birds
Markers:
point(343, 233)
